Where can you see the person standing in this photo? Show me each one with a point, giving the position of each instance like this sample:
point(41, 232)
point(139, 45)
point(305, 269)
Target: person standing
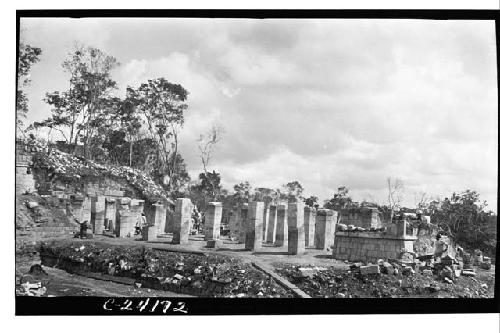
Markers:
point(440, 247)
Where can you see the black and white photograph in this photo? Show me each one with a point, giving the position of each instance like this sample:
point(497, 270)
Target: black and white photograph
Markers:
point(166, 159)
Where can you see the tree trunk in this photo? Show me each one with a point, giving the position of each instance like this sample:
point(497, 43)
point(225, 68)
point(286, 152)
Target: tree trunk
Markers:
point(130, 154)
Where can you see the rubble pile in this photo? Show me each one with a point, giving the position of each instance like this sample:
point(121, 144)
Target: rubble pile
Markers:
point(68, 166)
point(194, 274)
point(392, 279)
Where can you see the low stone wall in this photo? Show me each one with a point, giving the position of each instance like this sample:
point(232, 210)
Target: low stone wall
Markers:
point(370, 246)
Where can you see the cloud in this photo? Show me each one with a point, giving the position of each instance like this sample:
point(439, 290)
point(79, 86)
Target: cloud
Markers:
point(324, 102)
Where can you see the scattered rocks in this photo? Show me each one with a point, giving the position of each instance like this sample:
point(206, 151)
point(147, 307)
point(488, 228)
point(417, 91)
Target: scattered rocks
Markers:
point(468, 273)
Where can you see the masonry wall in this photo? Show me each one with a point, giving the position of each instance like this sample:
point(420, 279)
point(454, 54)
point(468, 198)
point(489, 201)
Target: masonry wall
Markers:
point(364, 217)
point(369, 246)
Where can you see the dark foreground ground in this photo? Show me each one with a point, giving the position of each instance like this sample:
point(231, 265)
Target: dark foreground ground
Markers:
point(130, 267)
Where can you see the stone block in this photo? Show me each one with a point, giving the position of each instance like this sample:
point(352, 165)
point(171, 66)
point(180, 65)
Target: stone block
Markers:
point(149, 233)
point(309, 225)
point(253, 237)
point(182, 218)
point(296, 237)
point(126, 224)
point(271, 225)
point(213, 219)
point(324, 231)
point(282, 226)
point(243, 216)
point(213, 243)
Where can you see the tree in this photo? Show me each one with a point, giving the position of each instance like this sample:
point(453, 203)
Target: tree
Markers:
point(421, 200)
point(265, 194)
point(340, 200)
point(242, 193)
point(28, 56)
point(207, 189)
point(88, 105)
point(395, 188)
point(130, 120)
point(312, 201)
point(292, 191)
point(162, 104)
point(464, 217)
point(206, 146)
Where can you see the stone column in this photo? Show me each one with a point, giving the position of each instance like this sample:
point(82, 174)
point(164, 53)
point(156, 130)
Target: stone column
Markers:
point(86, 214)
point(253, 238)
point(243, 215)
point(126, 224)
point(212, 220)
point(234, 223)
point(309, 225)
point(155, 217)
point(98, 210)
point(265, 223)
point(271, 225)
point(182, 216)
point(160, 218)
point(110, 214)
point(282, 226)
point(169, 223)
point(137, 207)
point(296, 239)
point(325, 228)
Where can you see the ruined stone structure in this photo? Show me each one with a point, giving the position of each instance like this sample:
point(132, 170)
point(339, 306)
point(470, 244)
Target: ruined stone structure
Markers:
point(296, 239)
point(156, 215)
point(182, 217)
point(25, 181)
point(126, 223)
point(254, 229)
point(282, 226)
point(325, 228)
point(364, 217)
point(309, 225)
point(98, 212)
point(110, 214)
point(213, 218)
point(243, 215)
point(369, 246)
point(234, 221)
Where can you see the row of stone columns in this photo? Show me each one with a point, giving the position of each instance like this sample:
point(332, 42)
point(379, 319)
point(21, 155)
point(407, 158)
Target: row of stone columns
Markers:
point(294, 226)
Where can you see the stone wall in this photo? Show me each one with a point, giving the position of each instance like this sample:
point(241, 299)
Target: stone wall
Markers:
point(25, 181)
point(370, 246)
point(364, 217)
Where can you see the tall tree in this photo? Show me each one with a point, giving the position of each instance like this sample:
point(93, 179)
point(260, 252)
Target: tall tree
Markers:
point(85, 107)
point(162, 104)
point(28, 56)
point(206, 145)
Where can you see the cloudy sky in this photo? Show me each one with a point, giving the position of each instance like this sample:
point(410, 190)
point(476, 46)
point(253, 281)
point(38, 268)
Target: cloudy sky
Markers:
point(324, 102)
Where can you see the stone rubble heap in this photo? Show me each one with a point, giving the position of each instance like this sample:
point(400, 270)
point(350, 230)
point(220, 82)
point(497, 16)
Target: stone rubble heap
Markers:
point(208, 276)
point(69, 166)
